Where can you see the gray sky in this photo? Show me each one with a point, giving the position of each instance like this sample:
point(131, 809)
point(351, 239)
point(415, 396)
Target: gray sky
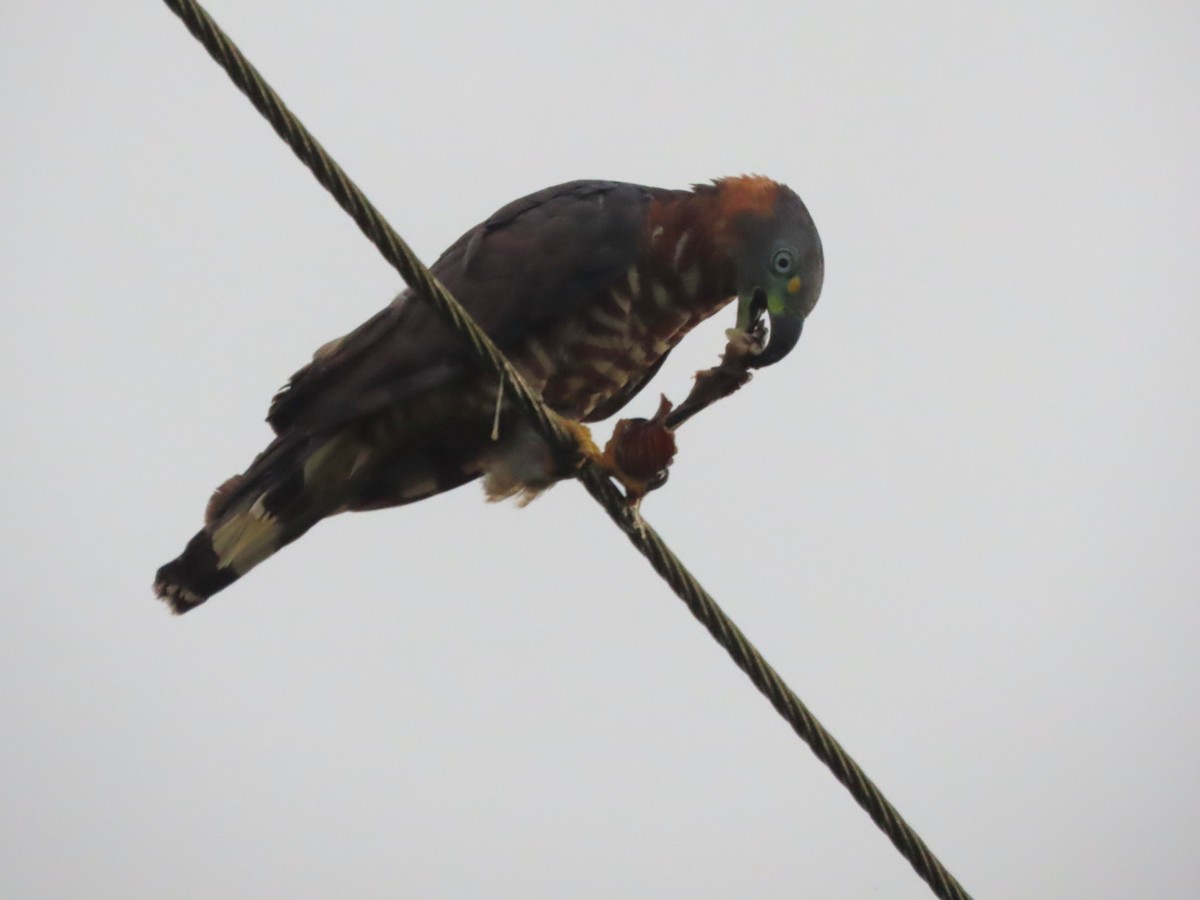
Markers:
point(962, 519)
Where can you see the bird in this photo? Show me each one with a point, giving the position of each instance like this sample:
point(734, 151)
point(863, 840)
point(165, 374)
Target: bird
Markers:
point(586, 287)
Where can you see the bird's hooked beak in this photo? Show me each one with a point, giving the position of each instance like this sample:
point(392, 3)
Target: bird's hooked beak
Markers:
point(786, 324)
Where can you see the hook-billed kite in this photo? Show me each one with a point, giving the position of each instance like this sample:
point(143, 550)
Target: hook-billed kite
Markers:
point(585, 286)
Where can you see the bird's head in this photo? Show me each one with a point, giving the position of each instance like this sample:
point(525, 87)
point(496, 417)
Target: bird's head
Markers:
point(778, 261)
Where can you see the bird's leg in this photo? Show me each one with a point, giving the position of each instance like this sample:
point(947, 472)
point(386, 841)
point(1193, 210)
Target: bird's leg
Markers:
point(585, 445)
point(636, 456)
point(585, 450)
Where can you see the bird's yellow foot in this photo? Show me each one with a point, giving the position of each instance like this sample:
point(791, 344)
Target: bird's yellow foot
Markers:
point(584, 444)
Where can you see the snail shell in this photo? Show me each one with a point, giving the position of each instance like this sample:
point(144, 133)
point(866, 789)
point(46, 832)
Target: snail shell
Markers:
point(643, 448)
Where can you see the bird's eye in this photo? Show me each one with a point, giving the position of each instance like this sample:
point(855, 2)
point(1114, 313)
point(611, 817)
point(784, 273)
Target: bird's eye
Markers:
point(782, 261)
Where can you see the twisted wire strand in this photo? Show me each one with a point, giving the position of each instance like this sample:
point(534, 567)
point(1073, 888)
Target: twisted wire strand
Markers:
point(550, 427)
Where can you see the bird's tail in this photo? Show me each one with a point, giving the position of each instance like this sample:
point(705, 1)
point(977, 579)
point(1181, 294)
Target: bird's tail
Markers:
point(292, 485)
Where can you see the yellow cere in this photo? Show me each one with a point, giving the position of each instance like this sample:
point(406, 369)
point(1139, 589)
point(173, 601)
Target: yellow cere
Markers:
point(793, 284)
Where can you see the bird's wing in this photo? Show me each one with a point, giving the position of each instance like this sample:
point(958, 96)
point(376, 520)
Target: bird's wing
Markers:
point(536, 261)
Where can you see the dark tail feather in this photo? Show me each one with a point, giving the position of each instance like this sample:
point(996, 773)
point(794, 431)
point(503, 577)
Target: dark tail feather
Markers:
point(201, 570)
point(194, 576)
point(290, 487)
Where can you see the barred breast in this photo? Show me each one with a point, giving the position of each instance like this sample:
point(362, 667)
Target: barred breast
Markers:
point(584, 363)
